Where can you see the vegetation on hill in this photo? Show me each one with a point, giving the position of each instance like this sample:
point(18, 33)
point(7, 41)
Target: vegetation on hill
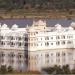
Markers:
point(39, 4)
point(53, 9)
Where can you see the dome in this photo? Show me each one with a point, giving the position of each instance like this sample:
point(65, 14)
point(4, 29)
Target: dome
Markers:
point(39, 23)
point(58, 26)
point(73, 24)
point(4, 26)
point(70, 28)
point(15, 26)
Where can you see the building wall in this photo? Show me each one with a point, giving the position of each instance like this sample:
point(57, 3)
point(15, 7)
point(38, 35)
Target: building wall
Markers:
point(13, 47)
point(49, 46)
point(37, 46)
point(46, 58)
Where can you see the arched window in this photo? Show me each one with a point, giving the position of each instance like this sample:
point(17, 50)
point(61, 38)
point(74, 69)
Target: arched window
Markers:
point(2, 43)
point(12, 43)
point(11, 54)
point(63, 42)
point(58, 54)
point(47, 55)
point(57, 43)
point(47, 38)
point(63, 54)
point(12, 38)
point(19, 38)
point(63, 36)
point(69, 42)
point(57, 37)
point(19, 44)
point(2, 54)
point(1, 37)
point(47, 43)
point(19, 55)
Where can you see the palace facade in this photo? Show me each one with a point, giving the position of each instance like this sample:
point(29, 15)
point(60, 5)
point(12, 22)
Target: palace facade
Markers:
point(49, 46)
point(13, 47)
point(37, 46)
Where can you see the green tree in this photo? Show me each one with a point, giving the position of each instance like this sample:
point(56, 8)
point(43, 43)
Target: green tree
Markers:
point(73, 71)
point(3, 69)
point(49, 70)
point(58, 69)
point(10, 69)
point(66, 69)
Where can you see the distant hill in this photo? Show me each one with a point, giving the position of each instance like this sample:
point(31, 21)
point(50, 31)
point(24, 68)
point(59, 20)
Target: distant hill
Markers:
point(54, 9)
point(37, 4)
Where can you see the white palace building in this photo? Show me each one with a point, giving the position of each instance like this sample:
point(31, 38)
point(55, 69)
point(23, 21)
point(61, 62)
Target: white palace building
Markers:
point(37, 46)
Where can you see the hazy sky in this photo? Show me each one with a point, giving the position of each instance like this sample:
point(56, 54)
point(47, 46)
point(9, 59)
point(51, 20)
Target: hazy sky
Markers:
point(24, 22)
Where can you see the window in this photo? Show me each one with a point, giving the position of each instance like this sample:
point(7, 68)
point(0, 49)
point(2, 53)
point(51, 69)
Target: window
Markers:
point(69, 36)
point(19, 44)
point(51, 37)
point(26, 44)
point(64, 60)
point(31, 39)
point(26, 39)
point(16, 38)
point(41, 44)
point(1, 37)
point(63, 54)
point(69, 42)
point(70, 56)
point(63, 42)
point(36, 32)
point(41, 38)
point(31, 33)
point(51, 60)
point(19, 55)
point(63, 37)
point(12, 43)
point(37, 39)
point(11, 61)
point(58, 60)
point(2, 54)
point(31, 44)
point(2, 43)
point(57, 37)
point(57, 43)
point(8, 37)
point(47, 55)
point(47, 43)
point(46, 38)
point(8, 43)
point(11, 54)
point(37, 44)
point(12, 38)
point(57, 54)
point(19, 38)
point(51, 54)
point(41, 54)
point(51, 43)
point(47, 61)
